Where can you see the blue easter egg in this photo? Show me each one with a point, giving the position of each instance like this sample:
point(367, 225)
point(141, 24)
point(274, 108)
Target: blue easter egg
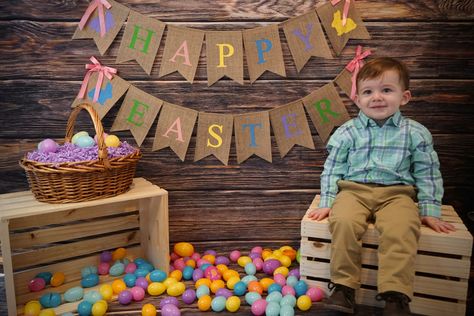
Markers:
point(85, 141)
point(74, 294)
point(291, 280)
point(218, 303)
point(300, 288)
point(240, 288)
point(188, 273)
point(50, 300)
point(146, 266)
point(76, 136)
point(141, 272)
point(84, 308)
point(139, 261)
point(88, 270)
point(248, 278)
point(90, 280)
point(274, 287)
point(130, 279)
point(158, 275)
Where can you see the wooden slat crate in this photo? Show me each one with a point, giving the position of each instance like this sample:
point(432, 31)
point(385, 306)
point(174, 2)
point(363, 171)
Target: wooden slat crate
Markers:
point(40, 237)
point(442, 264)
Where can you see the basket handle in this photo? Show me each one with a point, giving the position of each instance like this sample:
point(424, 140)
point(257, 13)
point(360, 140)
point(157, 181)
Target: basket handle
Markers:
point(99, 130)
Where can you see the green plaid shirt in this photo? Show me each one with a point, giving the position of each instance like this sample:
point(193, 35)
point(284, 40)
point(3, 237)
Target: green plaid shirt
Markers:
point(399, 152)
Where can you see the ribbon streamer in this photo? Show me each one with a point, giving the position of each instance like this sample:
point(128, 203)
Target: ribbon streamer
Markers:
point(96, 4)
point(345, 11)
point(354, 66)
point(102, 70)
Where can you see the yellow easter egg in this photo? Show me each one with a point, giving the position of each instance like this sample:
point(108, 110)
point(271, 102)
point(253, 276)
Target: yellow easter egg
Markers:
point(204, 303)
point(266, 282)
point(203, 281)
point(285, 261)
point(232, 281)
point(156, 288)
point(99, 308)
point(112, 141)
point(272, 256)
point(148, 310)
point(221, 268)
point(283, 248)
point(281, 270)
point(227, 274)
point(266, 252)
point(232, 304)
point(176, 274)
point(168, 281)
point(243, 260)
point(106, 291)
point(304, 302)
point(216, 285)
point(176, 289)
point(183, 249)
point(32, 308)
point(47, 312)
point(277, 253)
point(209, 258)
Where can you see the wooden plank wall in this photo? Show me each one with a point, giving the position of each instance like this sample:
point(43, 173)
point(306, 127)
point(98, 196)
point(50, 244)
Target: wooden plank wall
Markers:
point(256, 202)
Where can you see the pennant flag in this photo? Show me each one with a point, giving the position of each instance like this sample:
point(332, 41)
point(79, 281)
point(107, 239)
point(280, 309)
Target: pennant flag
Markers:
point(290, 127)
point(225, 56)
point(252, 136)
point(102, 22)
point(214, 135)
point(326, 110)
point(305, 39)
point(346, 80)
point(174, 129)
point(263, 51)
point(137, 113)
point(181, 52)
point(141, 40)
point(338, 32)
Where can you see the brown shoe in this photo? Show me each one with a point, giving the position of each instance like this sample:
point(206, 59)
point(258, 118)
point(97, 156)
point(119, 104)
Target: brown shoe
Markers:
point(396, 303)
point(342, 298)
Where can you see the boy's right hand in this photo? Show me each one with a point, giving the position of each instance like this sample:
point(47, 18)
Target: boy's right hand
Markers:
point(319, 213)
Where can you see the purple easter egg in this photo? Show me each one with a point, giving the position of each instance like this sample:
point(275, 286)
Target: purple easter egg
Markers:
point(106, 256)
point(270, 265)
point(125, 297)
point(224, 292)
point(189, 296)
point(295, 272)
point(170, 310)
point(254, 255)
point(47, 146)
point(198, 274)
point(210, 252)
point(222, 260)
point(142, 282)
point(169, 300)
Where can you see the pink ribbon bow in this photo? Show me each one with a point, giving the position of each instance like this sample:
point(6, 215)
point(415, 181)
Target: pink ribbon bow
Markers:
point(96, 4)
point(345, 11)
point(102, 70)
point(354, 66)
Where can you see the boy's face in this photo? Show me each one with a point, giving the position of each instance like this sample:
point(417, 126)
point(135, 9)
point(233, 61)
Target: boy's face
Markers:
point(379, 98)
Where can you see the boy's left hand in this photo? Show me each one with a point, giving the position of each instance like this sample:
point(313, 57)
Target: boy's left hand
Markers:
point(437, 225)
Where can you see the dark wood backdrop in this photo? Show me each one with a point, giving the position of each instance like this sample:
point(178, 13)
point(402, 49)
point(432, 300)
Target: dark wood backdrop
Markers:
point(256, 202)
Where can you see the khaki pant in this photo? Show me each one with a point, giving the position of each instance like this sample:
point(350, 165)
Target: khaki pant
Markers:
point(398, 223)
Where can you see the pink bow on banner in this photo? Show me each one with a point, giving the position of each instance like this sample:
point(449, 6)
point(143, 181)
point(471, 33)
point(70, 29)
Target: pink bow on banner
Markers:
point(96, 4)
point(102, 70)
point(354, 66)
point(345, 11)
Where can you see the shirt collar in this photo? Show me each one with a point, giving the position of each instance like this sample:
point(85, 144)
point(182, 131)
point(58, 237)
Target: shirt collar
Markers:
point(364, 121)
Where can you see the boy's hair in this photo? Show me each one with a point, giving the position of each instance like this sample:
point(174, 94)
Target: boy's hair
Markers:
point(377, 66)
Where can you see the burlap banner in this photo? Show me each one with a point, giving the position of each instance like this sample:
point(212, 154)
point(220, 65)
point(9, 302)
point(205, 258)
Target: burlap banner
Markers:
point(252, 136)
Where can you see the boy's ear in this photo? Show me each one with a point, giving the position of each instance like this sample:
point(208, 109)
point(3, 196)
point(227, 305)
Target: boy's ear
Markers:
point(406, 97)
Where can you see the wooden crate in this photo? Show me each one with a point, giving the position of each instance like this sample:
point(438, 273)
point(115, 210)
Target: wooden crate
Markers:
point(40, 237)
point(442, 265)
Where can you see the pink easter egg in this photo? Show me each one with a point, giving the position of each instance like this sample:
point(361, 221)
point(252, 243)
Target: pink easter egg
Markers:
point(280, 279)
point(288, 290)
point(131, 267)
point(103, 268)
point(200, 262)
point(234, 255)
point(196, 256)
point(174, 256)
point(315, 294)
point(258, 262)
point(256, 249)
point(37, 284)
point(212, 273)
point(258, 307)
point(138, 293)
point(179, 264)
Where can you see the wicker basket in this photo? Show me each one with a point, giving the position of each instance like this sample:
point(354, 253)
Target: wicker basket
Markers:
point(81, 181)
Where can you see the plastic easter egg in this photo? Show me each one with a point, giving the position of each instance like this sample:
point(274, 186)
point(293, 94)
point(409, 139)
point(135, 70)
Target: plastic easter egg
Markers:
point(209, 258)
point(266, 282)
point(76, 136)
point(240, 288)
point(234, 255)
point(37, 284)
point(88, 270)
point(202, 290)
point(291, 280)
point(274, 287)
point(169, 300)
point(46, 276)
point(146, 266)
point(103, 268)
point(92, 296)
point(288, 300)
point(300, 288)
point(243, 260)
point(270, 265)
point(281, 270)
point(130, 279)
point(90, 280)
point(105, 256)
point(280, 279)
point(248, 278)
point(183, 249)
point(294, 272)
point(250, 268)
point(106, 291)
point(118, 286)
point(266, 253)
point(224, 292)
point(204, 303)
point(131, 267)
point(290, 253)
point(203, 281)
point(216, 285)
point(272, 309)
point(84, 308)
point(32, 308)
point(254, 255)
point(222, 260)
point(285, 290)
point(227, 274)
point(176, 274)
point(99, 308)
point(203, 264)
point(158, 275)
point(156, 288)
point(125, 297)
point(258, 262)
point(112, 141)
point(176, 289)
point(256, 249)
point(119, 253)
point(197, 274)
point(169, 281)
point(141, 272)
point(255, 286)
point(188, 273)
point(142, 282)
point(285, 260)
point(50, 300)
point(218, 303)
point(212, 273)
point(170, 310)
point(232, 304)
point(258, 307)
point(139, 261)
point(303, 302)
point(117, 269)
point(47, 312)
point(274, 297)
point(47, 146)
point(286, 310)
point(233, 280)
point(85, 142)
point(251, 297)
point(74, 294)
point(149, 310)
point(138, 293)
point(189, 296)
point(316, 294)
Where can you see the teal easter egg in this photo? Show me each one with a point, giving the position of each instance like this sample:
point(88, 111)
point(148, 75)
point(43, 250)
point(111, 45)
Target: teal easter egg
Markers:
point(291, 281)
point(88, 270)
point(130, 279)
point(117, 269)
point(248, 278)
point(188, 273)
point(250, 268)
point(218, 303)
point(90, 280)
point(272, 309)
point(288, 300)
point(78, 135)
point(274, 287)
point(287, 310)
point(203, 290)
point(141, 272)
point(74, 294)
point(92, 296)
point(240, 288)
point(50, 300)
point(84, 308)
point(85, 142)
point(158, 275)
point(251, 297)
point(300, 288)
point(274, 297)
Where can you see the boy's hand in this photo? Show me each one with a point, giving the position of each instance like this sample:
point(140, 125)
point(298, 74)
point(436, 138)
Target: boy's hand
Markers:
point(437, 225)
point(319, 213)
